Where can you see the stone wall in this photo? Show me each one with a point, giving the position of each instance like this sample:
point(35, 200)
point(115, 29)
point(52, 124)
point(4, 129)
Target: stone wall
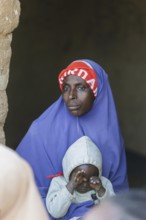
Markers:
point(9, 18)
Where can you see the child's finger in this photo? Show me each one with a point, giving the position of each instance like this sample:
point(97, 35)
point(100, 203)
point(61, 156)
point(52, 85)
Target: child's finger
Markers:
point(94, 180)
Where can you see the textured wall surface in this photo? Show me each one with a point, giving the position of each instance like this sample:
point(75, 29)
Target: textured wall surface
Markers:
point(53, 33)
point(9, 18)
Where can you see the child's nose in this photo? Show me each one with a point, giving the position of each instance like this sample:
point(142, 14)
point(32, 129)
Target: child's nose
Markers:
point(85, 183)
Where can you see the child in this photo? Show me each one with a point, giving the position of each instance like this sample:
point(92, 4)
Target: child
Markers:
point(82, 185)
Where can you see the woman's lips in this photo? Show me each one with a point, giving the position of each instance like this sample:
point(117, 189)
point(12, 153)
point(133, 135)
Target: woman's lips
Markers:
point(73, 107)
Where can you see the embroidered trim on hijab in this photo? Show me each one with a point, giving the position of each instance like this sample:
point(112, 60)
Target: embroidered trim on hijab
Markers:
point(84, 71)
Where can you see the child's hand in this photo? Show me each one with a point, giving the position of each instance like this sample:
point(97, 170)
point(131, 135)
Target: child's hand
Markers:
point(95, 183)
point(76, 179)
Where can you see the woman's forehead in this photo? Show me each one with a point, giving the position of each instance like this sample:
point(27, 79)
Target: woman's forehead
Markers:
point(74, 79)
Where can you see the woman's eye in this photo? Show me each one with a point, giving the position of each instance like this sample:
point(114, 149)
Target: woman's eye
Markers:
point(65, 88)
point(81, 88)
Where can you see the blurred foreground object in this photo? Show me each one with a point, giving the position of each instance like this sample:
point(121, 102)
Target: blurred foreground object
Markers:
point(125, 206)
point(19, 198)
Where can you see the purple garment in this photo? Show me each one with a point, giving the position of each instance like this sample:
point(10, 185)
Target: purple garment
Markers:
point(49, 136)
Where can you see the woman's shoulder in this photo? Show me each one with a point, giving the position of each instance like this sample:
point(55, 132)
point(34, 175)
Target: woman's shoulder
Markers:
point(54, 106)
point(49, 113)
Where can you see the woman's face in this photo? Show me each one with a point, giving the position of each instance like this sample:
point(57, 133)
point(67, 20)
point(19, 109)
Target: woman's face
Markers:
point(77, 95)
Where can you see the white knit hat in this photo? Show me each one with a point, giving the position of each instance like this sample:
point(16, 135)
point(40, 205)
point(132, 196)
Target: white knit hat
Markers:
point(82, 151)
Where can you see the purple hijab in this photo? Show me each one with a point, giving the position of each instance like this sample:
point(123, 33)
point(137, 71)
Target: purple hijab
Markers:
point(48, 137)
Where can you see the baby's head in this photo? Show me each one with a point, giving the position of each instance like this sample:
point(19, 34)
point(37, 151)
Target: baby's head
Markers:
point(83, 153)
point(89, 171)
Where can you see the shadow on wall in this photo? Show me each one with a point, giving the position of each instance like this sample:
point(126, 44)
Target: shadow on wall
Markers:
point(136, 165)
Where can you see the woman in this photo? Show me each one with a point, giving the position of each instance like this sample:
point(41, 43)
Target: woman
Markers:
point(86, 107)
point(19, 198)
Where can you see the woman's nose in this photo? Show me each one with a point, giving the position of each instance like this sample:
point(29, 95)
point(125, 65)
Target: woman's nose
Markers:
point(72, 94)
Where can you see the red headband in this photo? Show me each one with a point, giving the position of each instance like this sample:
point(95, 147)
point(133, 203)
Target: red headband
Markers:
point(84, 71)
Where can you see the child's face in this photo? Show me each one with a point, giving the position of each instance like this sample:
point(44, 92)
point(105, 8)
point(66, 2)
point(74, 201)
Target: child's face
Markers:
point(89, 171)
